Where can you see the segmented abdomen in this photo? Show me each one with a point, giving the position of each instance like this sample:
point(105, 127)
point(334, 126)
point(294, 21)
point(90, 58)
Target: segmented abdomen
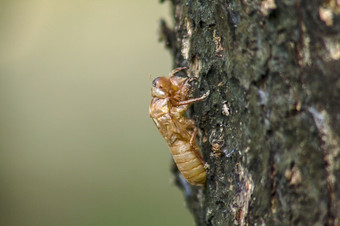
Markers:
point(191, 167)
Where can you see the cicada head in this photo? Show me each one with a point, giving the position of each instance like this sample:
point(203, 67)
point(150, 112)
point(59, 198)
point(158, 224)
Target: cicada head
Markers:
point(161, 87)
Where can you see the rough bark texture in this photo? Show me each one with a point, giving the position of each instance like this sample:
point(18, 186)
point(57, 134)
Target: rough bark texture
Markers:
point(270, 129)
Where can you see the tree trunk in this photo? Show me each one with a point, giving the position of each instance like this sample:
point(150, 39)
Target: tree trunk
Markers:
point(270, 129)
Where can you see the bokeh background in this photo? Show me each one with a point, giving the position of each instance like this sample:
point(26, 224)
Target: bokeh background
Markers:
point(77, 146)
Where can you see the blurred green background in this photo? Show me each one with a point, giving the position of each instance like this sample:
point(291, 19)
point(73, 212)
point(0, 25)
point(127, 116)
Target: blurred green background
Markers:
point(77, 146)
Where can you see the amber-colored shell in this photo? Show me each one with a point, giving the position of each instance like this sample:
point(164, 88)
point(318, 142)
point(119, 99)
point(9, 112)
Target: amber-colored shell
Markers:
point(168, 105)
point(191, 167)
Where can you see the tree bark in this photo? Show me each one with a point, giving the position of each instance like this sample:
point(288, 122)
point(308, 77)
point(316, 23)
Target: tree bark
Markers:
point(270, 129)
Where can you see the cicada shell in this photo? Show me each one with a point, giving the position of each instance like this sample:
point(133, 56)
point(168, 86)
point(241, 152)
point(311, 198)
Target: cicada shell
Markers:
point(170, 100)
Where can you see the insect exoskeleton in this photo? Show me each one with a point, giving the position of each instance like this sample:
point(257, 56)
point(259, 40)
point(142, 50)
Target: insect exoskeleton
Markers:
point(169, 103)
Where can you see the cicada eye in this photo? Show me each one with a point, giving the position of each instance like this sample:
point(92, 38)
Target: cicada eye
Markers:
point(155, 81)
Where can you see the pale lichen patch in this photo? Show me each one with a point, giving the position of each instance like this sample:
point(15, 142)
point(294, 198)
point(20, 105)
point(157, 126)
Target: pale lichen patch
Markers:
point(328, 10)
point(225, 109)
point(293, 175)
point(218, 44)
point(186, 40)
point(305, 59)
point(185, 48)
point(196, 67)
point(330, 145)
point(267, 6)
point(333, 48)
point(326, 16)
point(242, 200)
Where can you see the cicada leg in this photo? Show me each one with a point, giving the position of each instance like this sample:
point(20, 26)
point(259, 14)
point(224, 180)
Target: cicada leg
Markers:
point(193, 100)
point(192, 144)
point(173, 72)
